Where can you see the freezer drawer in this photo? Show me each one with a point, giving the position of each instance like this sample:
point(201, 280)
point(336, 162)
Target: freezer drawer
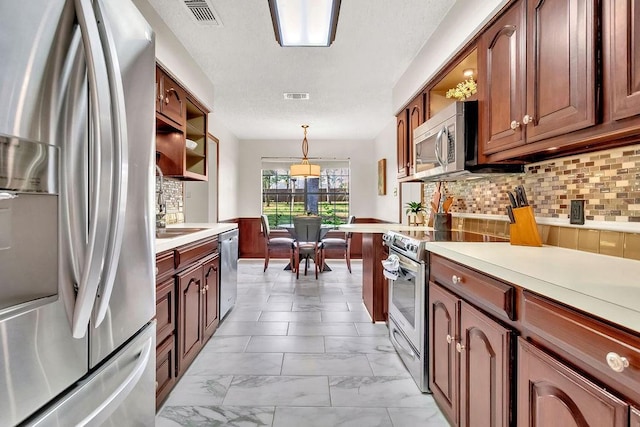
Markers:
point(120, 393)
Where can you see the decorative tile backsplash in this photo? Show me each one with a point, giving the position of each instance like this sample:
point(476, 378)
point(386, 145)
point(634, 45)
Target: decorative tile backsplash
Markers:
point(173, 197)
point(608, 181)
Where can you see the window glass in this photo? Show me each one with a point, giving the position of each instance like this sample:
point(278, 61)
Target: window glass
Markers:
point(284, 197)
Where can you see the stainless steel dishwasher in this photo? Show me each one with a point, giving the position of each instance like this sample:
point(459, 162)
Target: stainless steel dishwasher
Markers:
point(228, 271)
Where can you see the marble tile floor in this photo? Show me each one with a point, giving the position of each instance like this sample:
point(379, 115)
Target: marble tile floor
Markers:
point(298, 353)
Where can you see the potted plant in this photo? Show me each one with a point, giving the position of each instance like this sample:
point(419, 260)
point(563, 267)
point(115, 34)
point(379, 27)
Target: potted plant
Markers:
point(416, 209)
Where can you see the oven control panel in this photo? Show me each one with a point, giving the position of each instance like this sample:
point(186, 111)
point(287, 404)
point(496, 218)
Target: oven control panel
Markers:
point(407, 246)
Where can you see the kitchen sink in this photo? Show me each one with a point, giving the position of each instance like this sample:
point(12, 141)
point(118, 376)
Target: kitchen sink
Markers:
point(169, 233)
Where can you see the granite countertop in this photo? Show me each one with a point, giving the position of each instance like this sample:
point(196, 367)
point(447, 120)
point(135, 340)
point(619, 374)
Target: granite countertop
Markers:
point(605, 286)
point(208, 230)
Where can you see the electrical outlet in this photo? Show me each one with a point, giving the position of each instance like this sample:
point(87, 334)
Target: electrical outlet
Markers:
point(576, 215)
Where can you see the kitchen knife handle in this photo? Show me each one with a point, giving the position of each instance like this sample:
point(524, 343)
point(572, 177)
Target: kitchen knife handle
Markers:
point(512, 219)
point(512, 199)
point(522, 196)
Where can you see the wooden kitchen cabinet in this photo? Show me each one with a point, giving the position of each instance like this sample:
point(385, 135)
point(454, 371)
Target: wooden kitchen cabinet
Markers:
point(187, 280)
point(180, 117)
point(211, 277)
point(170, 99)
point(443, 372)
point(402, 143)
point(190, 330)
point(551, 393)
point(469, 362)
point(635, 418)
point(416, 116)
point(540, 75)
point(621, 41)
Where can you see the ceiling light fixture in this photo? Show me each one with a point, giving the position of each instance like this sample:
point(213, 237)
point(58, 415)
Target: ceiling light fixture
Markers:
point(305, 169)
point(305, 22)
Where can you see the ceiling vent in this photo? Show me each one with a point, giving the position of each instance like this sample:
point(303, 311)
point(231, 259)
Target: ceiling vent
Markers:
point(203, 12)
point(296, 96)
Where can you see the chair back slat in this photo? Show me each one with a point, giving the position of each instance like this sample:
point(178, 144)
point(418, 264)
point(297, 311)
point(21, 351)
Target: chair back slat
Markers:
point(265, 225)
point(307, 228)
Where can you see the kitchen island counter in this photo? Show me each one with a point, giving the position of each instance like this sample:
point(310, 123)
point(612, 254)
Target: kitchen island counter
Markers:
point(207, 230)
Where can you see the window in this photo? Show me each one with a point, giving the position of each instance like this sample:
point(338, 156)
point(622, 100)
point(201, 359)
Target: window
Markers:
point(284, 197)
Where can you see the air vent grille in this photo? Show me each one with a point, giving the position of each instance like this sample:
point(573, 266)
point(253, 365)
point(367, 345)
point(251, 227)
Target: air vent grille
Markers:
point(203, 12)
point(296, 96)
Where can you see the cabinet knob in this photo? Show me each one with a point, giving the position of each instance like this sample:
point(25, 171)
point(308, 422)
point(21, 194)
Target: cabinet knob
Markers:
point(449, 338)
point(459, 347)
point(515, 125)
point(527, 119)
point(617, 362)
point(455, 279)
point(157, 271)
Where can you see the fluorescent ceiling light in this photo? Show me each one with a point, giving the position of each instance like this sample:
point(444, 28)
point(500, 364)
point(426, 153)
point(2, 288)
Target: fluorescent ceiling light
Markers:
point(305, 22)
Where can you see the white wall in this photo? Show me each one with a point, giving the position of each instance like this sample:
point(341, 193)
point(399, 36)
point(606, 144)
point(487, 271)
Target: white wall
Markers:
point(462, 22)
point(174, 57)
point(386, 207)
point(363, 170)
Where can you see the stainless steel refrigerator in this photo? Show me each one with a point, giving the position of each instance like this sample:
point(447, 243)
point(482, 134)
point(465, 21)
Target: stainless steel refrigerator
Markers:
point(77, 290)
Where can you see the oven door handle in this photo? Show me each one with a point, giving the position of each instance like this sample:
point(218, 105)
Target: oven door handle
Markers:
point(409, 351)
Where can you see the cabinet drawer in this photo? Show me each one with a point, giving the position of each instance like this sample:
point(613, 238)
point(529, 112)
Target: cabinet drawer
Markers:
point(165, 309)
point(585, 342)
point(165, 369)
point(164, 265)
point(492, 294)
point(187, 254)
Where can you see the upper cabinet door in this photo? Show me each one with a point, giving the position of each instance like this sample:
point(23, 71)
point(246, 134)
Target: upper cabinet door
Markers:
point(561, 64)
point(416, 118)
point(622, 32)
point(402, 136)
point(502, 56)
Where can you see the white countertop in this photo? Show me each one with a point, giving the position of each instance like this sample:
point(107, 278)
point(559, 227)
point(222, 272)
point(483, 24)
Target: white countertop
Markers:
point(606, 286)
point(381, 227)
point(208, 230)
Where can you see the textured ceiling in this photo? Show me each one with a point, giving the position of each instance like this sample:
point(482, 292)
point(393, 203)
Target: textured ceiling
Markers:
point(349, 83)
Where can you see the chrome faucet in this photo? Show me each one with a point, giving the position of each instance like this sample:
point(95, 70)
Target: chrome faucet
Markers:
point(161, 206)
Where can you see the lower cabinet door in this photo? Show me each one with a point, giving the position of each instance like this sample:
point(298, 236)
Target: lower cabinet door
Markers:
point(190, 331)
point(165, 369)
point(484, 352)
point(552, 394)
point(211, 276)
point(443, 326)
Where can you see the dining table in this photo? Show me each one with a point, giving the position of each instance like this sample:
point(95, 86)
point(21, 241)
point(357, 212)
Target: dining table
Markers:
point(324, 229)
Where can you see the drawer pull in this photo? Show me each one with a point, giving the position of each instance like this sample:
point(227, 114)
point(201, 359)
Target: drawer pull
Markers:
point(455, 279)
point(459, 347)
point(617, 362)
point(449, 338)
point(515, 125)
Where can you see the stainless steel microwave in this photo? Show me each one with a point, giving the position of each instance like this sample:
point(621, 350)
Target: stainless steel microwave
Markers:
point(446, 146)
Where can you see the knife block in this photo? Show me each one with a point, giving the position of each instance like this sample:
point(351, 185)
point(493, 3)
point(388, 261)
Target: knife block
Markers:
point(525, 231)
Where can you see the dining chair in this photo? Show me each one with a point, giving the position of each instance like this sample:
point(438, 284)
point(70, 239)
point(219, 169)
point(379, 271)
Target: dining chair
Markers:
point(307, 244)
point(343, 243)
point(274, 243)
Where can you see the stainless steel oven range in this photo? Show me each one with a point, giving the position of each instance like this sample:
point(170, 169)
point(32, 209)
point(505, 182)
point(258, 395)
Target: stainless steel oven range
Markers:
point(406, 269)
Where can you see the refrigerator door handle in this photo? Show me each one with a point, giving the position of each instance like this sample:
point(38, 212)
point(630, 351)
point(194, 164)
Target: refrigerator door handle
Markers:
point(102, 412)
point(121, 164)
point(101, 191)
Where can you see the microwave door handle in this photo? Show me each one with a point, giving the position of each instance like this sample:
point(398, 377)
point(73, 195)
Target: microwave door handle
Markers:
point(121, 164)
point(101, 188)
point(442, 133)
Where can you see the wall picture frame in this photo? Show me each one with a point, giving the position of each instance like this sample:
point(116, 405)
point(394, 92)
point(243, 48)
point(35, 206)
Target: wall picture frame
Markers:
point(382, 177)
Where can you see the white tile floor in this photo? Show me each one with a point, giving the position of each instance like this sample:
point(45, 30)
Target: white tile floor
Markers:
point(298, 353)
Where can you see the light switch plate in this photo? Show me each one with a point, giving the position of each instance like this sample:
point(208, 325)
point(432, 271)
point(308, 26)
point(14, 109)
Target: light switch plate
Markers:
point(576, 216)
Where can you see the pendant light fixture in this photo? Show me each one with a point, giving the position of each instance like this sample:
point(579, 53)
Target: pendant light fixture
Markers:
point(305, 169)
